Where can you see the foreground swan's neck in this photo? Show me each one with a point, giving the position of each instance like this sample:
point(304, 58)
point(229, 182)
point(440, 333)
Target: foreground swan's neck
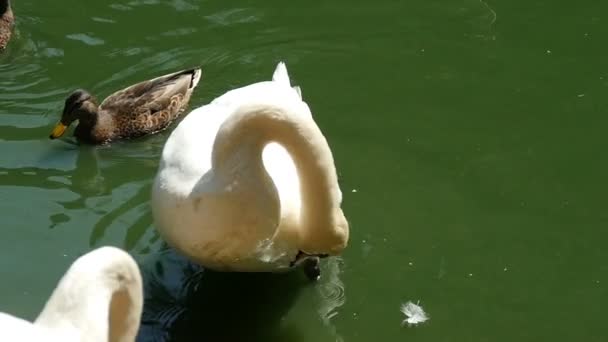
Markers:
point(238, 149)
point(98, 299)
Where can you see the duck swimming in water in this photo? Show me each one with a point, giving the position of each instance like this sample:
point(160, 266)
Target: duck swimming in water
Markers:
point(7, 20)
point(141, 109)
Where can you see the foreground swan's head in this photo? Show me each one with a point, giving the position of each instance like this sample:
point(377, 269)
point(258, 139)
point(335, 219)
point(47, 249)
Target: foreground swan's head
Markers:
point(98, 299)
point(248, 182)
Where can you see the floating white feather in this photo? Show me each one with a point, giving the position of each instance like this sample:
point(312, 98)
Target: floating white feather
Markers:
point(414, 313)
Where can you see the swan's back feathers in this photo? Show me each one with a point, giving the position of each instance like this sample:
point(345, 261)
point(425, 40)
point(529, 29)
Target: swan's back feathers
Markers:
point(282, 77)
point(298, 90)
point(280, 74)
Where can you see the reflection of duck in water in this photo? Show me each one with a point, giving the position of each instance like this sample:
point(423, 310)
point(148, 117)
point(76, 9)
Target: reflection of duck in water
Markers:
point(141, 109)
point(6, 22)
point(98, 299)
point(248, 183)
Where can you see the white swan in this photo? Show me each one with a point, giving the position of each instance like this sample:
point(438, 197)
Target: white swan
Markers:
point(248, 182)
point(98, 299)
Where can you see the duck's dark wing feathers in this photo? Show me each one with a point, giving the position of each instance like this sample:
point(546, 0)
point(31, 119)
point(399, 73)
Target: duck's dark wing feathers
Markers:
point(151, 96)
point(150, 106)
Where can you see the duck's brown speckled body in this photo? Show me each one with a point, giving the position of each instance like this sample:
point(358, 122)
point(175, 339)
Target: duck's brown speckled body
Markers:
point(138, 110)
point(7, 21)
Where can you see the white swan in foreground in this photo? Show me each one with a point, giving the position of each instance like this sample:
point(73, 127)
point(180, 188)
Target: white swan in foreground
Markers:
point(98, 299)
point(229, 196)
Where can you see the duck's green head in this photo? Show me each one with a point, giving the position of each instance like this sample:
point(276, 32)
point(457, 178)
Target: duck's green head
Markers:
point(77, 107)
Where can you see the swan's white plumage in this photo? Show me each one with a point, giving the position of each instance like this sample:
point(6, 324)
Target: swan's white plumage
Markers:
point(239, 233)
point(280, 75)
point(16, 329)
point(99, 299)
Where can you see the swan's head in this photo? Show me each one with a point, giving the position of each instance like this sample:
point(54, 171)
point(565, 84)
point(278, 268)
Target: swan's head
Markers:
point(80, 105)
point(331, 238)
point(341, 229)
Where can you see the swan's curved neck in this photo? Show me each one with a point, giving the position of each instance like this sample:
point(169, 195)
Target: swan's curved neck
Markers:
point(101, 304)
point(239, 145)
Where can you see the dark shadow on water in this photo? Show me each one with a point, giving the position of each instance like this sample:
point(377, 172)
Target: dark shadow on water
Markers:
point(184, 302)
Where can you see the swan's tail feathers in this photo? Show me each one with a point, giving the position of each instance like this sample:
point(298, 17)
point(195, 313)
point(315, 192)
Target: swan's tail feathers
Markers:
point(280, 74)
point(298, 90)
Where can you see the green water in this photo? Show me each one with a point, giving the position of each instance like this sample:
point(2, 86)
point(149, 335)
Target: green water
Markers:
point(469, 138)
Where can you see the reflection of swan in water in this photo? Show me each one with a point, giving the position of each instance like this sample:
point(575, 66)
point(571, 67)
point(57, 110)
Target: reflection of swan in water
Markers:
point(168, 279)
point(184, 302)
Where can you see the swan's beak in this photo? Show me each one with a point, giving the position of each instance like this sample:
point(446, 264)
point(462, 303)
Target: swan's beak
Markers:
point(58, 130)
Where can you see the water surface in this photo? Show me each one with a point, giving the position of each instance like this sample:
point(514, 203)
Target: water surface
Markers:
point(469, 137)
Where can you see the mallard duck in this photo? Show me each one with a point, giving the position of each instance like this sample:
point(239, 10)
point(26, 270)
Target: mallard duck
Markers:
point(248, 183)
point(6, 22)
point(99, 299)
point(144, 108)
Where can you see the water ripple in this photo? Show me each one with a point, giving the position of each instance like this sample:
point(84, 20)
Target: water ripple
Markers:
point(86, 38)
point(332, 294)
point(234, 16)
point(331, 290)
point(182, 31)
point(120, 7)
point(183, 5)
point(103, 20)
point(151, 66)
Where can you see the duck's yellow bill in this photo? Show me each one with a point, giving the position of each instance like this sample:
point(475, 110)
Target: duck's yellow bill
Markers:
point(58, 131)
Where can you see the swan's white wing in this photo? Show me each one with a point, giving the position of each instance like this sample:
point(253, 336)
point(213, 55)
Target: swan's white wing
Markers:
point(187, 153)
point(13, 329)
point(186, 156)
